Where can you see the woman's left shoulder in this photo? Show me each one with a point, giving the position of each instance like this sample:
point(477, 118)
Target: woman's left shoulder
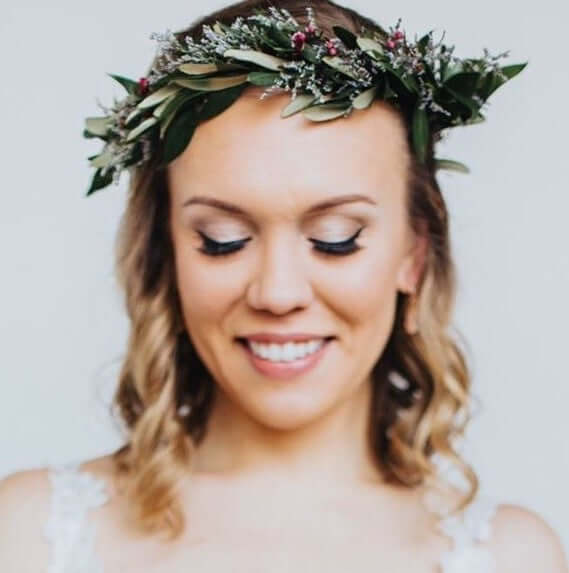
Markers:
point(522, 541)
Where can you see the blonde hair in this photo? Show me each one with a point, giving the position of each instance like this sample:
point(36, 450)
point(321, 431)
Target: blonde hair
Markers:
point(162, 375)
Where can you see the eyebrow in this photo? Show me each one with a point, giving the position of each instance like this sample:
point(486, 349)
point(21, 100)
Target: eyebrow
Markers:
point(321, 206)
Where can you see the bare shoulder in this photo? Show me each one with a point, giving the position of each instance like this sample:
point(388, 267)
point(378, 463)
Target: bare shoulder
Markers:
point(24, 507)
point(524, 542)
point(25, 504)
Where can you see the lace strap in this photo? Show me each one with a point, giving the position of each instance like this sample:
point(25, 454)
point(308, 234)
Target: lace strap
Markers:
point(70, 535)
point(467, 531)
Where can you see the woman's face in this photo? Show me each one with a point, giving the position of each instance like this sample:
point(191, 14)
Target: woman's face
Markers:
point(273, 173)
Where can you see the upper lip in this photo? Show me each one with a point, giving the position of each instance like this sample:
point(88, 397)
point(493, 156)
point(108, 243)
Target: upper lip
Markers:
point(282, 337)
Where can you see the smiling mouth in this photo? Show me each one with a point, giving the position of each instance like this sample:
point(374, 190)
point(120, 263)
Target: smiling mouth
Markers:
point(244, 342)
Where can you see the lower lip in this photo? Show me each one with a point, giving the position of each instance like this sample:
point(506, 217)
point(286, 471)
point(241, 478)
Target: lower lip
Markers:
point(285, 370)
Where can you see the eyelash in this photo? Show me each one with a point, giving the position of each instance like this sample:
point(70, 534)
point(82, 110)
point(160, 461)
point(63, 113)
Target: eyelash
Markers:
point(215, 249)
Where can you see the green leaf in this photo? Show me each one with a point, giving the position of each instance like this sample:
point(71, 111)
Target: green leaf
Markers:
point(216, 102)
point(371, 47)
point(309, 54)
point(141, 128)
point(174, 106)
point(129, 85)
point(99, 181)
point(259, 58)
point(348, 38)
point(492, 81)
point(158, 111)
point(192, 69)
point(409, 83)
point(420, 132)
point(336, 63)
point(297, 104)
point(451, 165)
point(212, 83)
point(468, 102)
point(97, 126)
point(451, 70)
point(158, 96)
point(365, 99)
point(134, 113)
point(102, 159)
point(325, 112)
point(178, 135)
point(279, 36)
point(262, 78)
point(463, 82)
point(513, 70)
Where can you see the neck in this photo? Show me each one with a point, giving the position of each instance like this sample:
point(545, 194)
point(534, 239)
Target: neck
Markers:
point(331, 449)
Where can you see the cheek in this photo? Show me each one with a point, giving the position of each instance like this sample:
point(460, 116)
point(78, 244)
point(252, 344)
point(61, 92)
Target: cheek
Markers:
point(367, 286)
point(204, 289)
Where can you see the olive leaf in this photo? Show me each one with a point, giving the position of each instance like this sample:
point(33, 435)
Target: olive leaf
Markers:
point(371, 47)
point(193, 69)
point(300, 102)
point(336, 63)
point(451, 165)
point(259, 58)
point(365, 99)
point(262, 78)
point(98, 126)
point(134, 113)
point(158, 96)
point(174, 106)
point(102, 159)
point(325, 112)
point(141, 128)
point(212, 83)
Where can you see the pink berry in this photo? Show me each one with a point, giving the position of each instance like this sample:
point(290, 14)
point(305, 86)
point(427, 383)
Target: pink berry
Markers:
point(390, 44)
point(398, 35)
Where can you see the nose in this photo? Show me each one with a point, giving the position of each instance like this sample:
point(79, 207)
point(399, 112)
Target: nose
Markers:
point(280, 283)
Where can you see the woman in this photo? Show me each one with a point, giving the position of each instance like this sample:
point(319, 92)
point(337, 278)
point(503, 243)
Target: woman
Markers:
point(290, 380)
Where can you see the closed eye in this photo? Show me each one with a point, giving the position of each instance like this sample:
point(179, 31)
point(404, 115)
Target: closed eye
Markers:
point(215, 249)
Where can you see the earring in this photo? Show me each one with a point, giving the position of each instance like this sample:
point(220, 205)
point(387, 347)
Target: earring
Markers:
point(411, 324)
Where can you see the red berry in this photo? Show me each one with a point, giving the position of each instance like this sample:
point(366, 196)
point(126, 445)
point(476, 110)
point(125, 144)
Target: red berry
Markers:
point(299, 38)
point(398, 35)
point(390, 44)
point(143, 85)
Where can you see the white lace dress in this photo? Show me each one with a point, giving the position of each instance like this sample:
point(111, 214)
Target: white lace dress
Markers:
point(71, 535)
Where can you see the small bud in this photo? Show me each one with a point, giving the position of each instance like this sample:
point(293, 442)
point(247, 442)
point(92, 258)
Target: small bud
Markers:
point(310, 29)
point(298, 39)
point(332, 50)
point(143, 85)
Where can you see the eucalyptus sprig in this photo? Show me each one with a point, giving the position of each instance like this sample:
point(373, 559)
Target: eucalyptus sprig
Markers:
point(328, 78)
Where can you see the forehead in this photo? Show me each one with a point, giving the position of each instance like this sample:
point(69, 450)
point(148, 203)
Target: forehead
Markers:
point(249, 147)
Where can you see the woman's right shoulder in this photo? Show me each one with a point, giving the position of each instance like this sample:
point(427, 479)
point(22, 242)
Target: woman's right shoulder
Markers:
point(26, 504)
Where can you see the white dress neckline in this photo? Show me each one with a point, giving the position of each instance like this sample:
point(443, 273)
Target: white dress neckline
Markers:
point(72, 536)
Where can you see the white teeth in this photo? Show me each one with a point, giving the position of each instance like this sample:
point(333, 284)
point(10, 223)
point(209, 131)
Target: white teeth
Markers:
point(285, 352)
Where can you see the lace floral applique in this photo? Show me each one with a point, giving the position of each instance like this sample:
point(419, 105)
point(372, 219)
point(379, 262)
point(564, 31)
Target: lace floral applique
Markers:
point(69, 532)
point(468, 531)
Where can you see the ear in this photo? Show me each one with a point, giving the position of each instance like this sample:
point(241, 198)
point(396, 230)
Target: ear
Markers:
point(414, 261)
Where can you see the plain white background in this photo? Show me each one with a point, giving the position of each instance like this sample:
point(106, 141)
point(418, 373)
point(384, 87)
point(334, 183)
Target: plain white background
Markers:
point(63, 329)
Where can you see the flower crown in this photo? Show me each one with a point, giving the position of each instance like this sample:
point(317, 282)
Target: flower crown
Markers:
point(192, 81)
